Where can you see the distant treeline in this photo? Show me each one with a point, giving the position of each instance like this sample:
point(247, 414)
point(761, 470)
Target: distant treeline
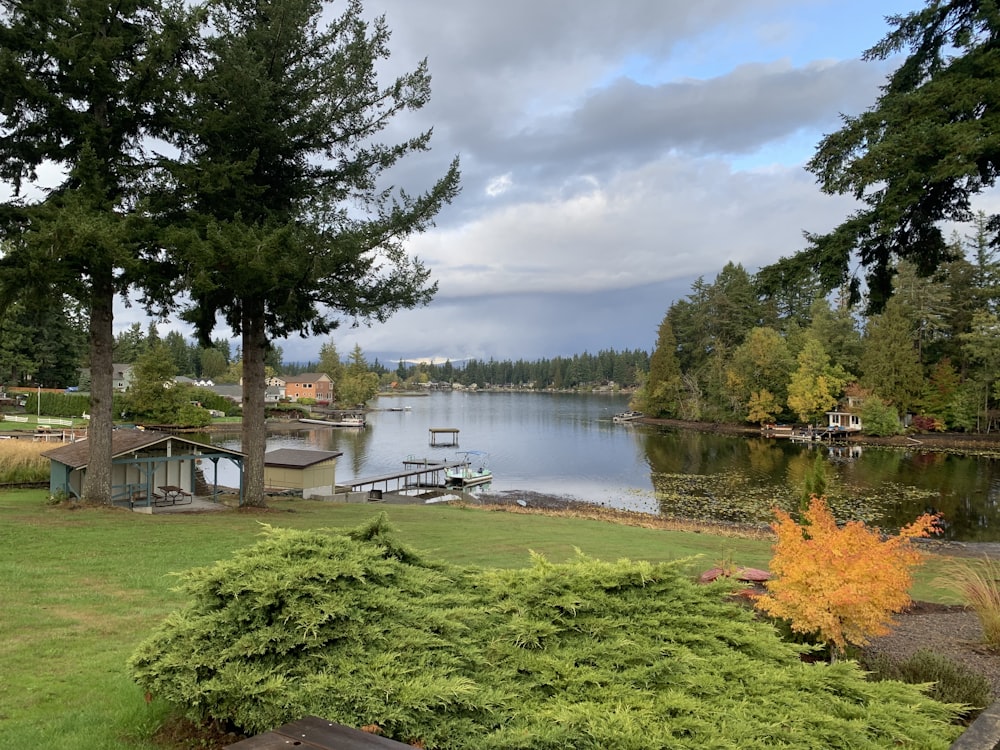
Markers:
point(30, 354)
point(624, 369)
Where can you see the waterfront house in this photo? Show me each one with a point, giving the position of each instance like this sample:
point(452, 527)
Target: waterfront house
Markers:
point(314, 385)
point(847, 416)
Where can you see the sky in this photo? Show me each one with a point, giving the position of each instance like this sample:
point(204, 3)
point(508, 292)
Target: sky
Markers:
point(611, 153)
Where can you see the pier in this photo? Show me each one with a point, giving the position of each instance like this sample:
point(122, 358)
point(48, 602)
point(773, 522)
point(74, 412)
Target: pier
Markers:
point(417, 472)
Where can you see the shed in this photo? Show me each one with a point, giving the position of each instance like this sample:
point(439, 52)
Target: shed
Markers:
point(312, 471)
point(143, 461)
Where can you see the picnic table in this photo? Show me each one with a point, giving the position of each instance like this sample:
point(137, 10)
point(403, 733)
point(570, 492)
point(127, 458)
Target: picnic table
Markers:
point(171, 494)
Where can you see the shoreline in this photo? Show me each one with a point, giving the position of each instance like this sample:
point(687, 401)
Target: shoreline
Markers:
point(959, 442)
point(519, 501)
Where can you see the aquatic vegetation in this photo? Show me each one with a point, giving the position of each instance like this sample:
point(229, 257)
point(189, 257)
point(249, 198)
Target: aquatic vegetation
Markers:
point(737, 497)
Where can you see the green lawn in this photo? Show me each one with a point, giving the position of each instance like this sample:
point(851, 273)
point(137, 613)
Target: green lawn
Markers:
point(80, 588)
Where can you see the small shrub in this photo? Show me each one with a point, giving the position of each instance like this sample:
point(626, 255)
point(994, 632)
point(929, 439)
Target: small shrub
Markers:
point(879, 418)
point(58, 498)
point(951, 682)
point(978, 583)
point(927, 423)
point(841, 582)
point(189, 415)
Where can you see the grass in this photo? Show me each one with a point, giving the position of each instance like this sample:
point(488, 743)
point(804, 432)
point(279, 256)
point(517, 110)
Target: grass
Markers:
point(80, 588)
point(34, 420)
point(978, 584)
point(21, 461)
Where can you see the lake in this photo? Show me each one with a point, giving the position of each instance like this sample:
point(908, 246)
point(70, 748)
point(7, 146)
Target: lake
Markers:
point(567, 444)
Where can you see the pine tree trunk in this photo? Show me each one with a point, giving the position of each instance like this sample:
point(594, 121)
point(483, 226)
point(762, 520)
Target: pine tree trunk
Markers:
point(97, 484)
point(254, 428)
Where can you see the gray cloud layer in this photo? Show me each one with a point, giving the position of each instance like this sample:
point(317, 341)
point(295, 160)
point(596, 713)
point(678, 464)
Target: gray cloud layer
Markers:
point(611, 153)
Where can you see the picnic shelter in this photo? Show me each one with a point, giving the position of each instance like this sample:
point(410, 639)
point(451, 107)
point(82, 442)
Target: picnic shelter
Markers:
point(148, 468)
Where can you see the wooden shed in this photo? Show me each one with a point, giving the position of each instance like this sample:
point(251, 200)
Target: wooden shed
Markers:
point(143, 463)
point(311, 471)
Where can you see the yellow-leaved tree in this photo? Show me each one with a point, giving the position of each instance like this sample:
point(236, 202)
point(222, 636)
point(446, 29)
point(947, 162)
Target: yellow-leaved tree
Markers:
point(843, 583)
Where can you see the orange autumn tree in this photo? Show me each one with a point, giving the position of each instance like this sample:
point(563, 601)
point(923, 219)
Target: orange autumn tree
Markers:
point(843, 583)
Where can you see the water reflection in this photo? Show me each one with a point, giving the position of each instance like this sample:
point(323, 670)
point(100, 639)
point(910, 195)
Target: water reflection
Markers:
point(568, 445)
point(888, 488)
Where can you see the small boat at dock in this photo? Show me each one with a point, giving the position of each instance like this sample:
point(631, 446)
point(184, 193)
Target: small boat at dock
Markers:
point(351, 420)
point(626, 416)
point(473, 470)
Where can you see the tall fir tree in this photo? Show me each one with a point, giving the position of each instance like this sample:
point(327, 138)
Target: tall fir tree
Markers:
point(287, 223)
point(82, 81)
point(662, 390)
point(918, 156)
point(890, 364)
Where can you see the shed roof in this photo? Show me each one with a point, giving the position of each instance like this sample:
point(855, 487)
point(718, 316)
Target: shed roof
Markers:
point(77, 455)
point(292, 458)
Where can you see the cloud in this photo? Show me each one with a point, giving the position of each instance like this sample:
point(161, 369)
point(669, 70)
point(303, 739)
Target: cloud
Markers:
point(611, 154)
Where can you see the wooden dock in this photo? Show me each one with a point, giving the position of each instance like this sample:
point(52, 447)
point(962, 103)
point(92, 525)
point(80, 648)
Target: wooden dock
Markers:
point(416, 473)
point(804, 434)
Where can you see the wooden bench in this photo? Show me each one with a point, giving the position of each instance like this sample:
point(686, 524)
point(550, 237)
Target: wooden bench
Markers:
point(313, 733)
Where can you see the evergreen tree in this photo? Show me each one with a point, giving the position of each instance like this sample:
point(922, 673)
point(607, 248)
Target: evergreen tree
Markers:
point(357, 384)
point(982, 348)
point(940, 392)
point(838, 330)
point(662, 390)
point(82, 81)
point(180, 352)
point(890, 365)
point(39, 341)
point(287, 222)
point(919, 155)
point(129, 345)
point(734, 309)
point(926, 301)
point(329, 362)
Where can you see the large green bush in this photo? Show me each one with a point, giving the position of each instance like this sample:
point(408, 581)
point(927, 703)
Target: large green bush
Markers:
point(588, 654)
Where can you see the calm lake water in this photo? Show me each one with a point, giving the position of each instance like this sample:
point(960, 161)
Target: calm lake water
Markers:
point(567, 444)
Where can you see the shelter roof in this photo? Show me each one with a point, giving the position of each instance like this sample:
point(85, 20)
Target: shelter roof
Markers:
point(123, 442)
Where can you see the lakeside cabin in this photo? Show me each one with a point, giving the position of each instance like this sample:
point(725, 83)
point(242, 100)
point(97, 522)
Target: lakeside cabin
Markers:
point(845, 419)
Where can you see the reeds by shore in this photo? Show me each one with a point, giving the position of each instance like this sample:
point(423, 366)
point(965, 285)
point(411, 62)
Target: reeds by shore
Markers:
point(21, 461)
